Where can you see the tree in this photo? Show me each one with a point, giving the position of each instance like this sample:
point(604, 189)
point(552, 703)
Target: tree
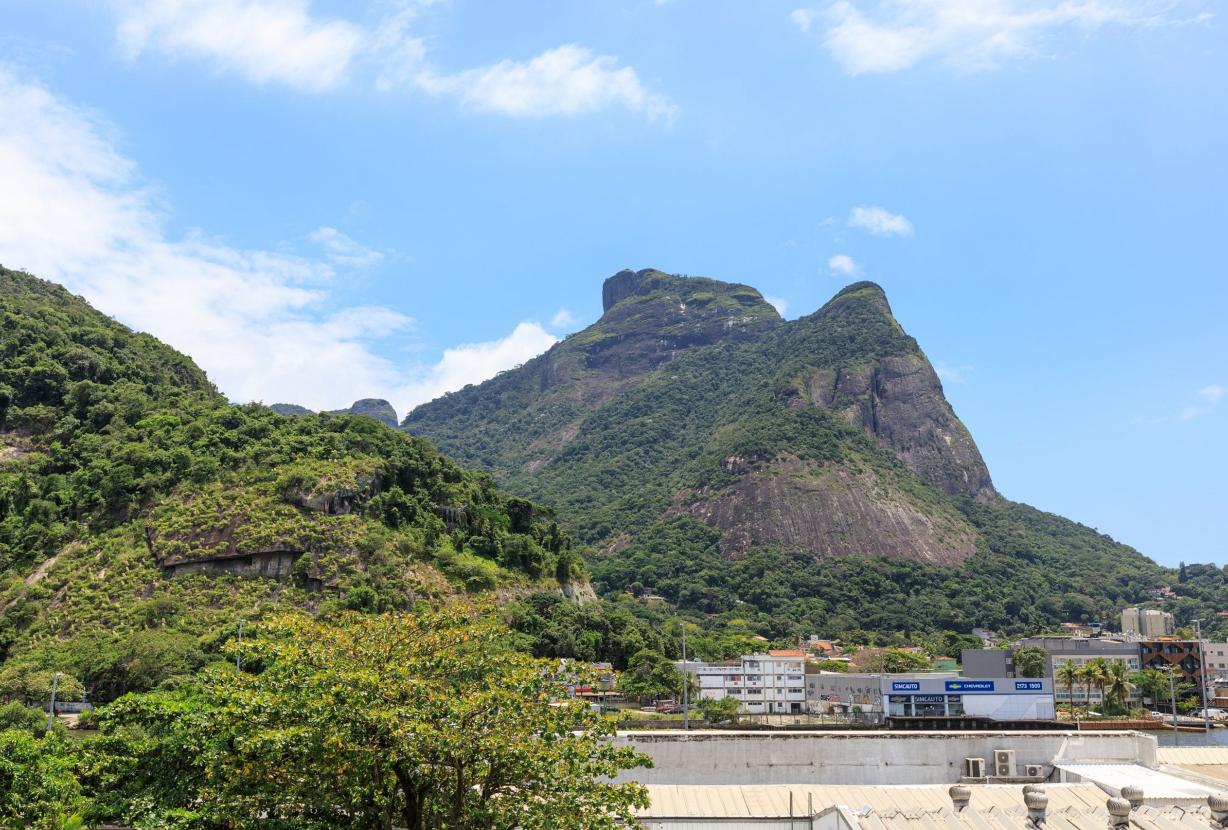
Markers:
point(37, 787)
point(1097, 674)
point(718, 710)
point(1152, 684)
point(1030, 661)
point(1068, 673)
point(650, 675)
point(897, 660)
point(420, 721)
point(1120, 686)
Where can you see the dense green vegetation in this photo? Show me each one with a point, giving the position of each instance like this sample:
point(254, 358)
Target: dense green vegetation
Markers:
point(118, 458)
point(423, 720)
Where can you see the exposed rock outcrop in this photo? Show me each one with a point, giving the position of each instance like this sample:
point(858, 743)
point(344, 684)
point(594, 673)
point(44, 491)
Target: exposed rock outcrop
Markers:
point(829, 511)
point(899, 400)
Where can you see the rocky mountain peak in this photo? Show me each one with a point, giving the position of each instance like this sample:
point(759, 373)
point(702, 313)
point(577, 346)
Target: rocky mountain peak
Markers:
point(862, 295)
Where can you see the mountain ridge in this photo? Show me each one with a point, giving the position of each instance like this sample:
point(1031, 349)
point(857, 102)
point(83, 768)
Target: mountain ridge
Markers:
point(814, 444)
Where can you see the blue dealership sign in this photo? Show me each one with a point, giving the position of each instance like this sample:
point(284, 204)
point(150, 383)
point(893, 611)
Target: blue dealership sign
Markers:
point(969, 685)
point(905, 686)
point(1029, 686)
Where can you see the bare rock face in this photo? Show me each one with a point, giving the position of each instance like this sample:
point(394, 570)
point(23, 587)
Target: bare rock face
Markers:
point(900, 401)
point(829, 511)
point(650, 316)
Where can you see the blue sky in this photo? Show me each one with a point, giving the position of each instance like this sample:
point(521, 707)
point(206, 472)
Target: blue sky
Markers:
point(323, 201)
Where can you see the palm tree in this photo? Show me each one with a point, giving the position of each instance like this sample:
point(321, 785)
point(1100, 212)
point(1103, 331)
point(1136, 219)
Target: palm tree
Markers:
point(1120, 686)
point(1097, 675)
point(1068, 673)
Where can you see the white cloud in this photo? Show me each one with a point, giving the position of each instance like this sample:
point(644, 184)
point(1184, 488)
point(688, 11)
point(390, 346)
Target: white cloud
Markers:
point(803, 18)
point(567, 80)
point(781, 305)
point(952, 374)
point(562, 319)
point(1209, 397)
point(264, 325)
point(843, 265)
point(891, 35)
point(283, 41)
point(342, 250)
point(879, 221)
point(474, 363)
point(262, 40)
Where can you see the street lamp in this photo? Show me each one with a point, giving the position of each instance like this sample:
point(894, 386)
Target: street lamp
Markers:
point(1202, 676)
point(55, 681)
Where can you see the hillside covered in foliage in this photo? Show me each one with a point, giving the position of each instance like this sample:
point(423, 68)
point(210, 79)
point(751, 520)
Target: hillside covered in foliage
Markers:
point(801, 477)
point(142, 516)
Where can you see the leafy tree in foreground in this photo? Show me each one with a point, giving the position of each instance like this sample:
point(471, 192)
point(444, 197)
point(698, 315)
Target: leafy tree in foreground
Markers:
point(37, 788)
point(417, 721)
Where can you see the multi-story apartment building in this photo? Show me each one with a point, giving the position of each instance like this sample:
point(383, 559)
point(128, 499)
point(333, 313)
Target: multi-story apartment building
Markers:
point(764, 684)
point(1184, 657)
point(1147, 622)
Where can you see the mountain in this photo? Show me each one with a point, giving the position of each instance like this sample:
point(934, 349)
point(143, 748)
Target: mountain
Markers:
point(808, 474)
point(141, 515)
point(376, 408)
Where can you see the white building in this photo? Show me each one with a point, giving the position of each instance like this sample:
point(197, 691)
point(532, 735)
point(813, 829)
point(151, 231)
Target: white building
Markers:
point(1147, 622)
point(764, 684)
point(1215, 659)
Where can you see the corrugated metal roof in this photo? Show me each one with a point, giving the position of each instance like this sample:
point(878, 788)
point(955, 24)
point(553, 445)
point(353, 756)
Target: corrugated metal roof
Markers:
point(993, 807)
point(1157, 786)
point(1192, 755)
point(1016, 818)
point(772, 800)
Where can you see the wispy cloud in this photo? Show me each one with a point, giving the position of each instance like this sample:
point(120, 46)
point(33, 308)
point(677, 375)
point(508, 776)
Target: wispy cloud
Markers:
point(342, 250)
point(879, 221)
point(1202, 403)
point(284, 41)
point(881, 36)
point(266, 325)
point(953, 374)
point(843, 265)
point(1208, 399)
point(562, 319)
point(779, 303)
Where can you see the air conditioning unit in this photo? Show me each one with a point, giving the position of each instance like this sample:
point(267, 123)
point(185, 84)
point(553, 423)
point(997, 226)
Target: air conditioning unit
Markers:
point(1003, 763)
point(1033, 770)
point(974, 767)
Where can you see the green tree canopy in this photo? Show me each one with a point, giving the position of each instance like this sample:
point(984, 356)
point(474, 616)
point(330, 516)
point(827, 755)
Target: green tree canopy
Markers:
point(419, 721)
point(1030, 661)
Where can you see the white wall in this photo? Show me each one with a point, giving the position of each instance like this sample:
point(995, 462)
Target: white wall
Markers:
point(727, 757)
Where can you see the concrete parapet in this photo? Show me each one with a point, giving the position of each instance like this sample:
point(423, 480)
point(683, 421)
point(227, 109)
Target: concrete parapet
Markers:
point(747, 757)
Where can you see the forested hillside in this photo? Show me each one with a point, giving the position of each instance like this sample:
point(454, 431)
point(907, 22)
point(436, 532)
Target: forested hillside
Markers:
point(796, 477)
point(142, 516)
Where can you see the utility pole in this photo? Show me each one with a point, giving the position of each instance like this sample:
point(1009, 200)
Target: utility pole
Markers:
point(686, 681)
point(239, 654)
point(1172, 692)
point(55, 681)
point(1202, 676)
